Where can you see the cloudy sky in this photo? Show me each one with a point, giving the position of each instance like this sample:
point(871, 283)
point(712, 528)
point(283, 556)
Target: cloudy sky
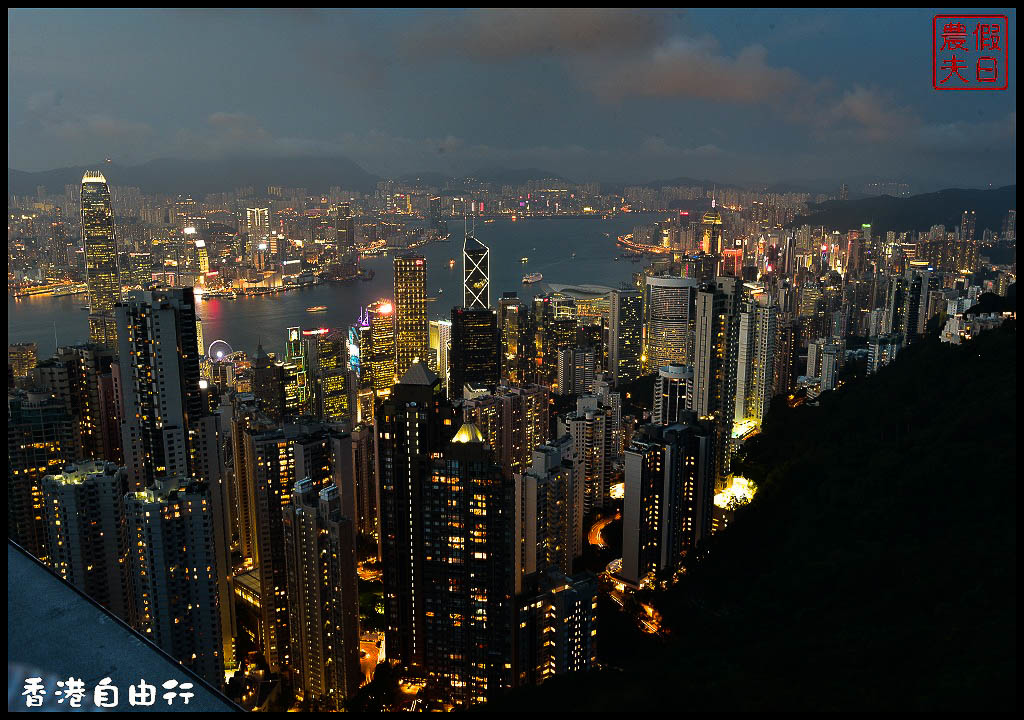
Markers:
point(733, 96)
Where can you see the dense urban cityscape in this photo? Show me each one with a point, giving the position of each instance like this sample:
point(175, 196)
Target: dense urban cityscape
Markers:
point(437, 441)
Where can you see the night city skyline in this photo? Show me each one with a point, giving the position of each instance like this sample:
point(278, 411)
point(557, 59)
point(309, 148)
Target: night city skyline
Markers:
point(551, 360)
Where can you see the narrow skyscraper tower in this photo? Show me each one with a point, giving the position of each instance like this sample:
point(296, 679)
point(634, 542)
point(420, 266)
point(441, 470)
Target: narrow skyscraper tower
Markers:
point(102, 275)
point(476, 274)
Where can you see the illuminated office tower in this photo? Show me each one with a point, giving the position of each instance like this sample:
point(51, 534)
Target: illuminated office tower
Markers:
point(328, 374)
point(173, 573)
point(755, 354)
point(465, 595)
point(102, 274)
point(549, 512)
point(257, 224)
point(556, 628)
point(381, 357)
point(711, 231)
point(516, 339)
point(84, 510)
point(344, 229)
point(591, 428)
point(298, 388)
point(554, 326)
point(158, 383)
point(476, 274)
point(513, 420)
point(625, 334)
point(669, 307)
point(474, 356)
point(21, 357)
point(40, 441)
point(673, 394)
point(323, 598)
point(411, 335)
point(669, 496)
point(203, 256)
point(437, 221)
point(441, 348)
point(412, 426)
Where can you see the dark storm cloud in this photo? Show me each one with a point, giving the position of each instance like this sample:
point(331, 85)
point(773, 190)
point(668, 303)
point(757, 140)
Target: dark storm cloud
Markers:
point(589, 94)
point(509, 35)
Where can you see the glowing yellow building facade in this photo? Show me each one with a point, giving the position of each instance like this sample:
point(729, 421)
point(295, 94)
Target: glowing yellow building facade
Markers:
point(103, 277)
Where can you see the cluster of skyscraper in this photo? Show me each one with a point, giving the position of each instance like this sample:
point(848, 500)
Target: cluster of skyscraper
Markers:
point(223, 506)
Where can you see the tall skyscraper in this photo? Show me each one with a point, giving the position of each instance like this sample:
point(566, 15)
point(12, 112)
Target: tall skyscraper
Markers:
point(673, 394)
point(411, 334)
point(669, 307)
point(476, 274)
point(591, 428)
point(466, 595)
point(174, 574)
point(40, 441)
point(102, 273)
point(714, 361)
point(556, 627)
point(474, 357)
point(625, 334)
point(275, 460)
point(379, 356)
point(21, 358)
point(323, 597)
point(412, 426)
point(84, 510)
point(158, 383)
point(549, 512)
point(755, 358)
point(441, 348)
point(669, 496)
point(513, 420)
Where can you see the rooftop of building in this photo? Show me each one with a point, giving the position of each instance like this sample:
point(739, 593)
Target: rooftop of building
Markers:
point(55, 632)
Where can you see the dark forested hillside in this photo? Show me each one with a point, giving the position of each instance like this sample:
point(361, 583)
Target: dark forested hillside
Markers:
point(875, 569)
point(920, 212)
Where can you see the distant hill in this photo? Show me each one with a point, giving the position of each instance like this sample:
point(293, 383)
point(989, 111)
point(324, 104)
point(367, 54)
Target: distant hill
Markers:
point(514, 176)
point(199, 177)
point(915, 213)
point(874, 570)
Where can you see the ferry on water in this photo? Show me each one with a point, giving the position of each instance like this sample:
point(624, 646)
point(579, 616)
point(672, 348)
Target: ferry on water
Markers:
point(317, 308)
point(532, 278)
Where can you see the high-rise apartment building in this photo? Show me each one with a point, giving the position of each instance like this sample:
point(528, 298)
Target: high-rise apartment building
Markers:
point(158, 383)
point(84, 510)
point(513, 420)
point(174, 575)
point(669, 496)
point(323, 596)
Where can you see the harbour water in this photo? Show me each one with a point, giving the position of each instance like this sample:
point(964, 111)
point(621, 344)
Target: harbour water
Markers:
point(548, 243)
